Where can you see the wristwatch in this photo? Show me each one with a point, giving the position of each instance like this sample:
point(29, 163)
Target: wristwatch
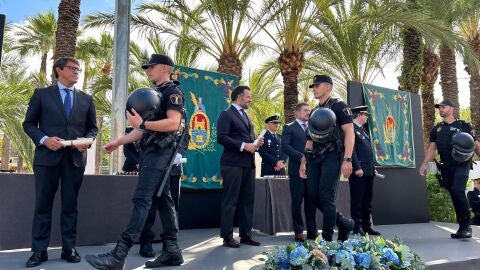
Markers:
point(347, 159)
point(142, 125)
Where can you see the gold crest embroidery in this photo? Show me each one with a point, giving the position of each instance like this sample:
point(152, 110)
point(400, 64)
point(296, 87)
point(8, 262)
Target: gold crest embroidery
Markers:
point(176, 99)
point(347, 111)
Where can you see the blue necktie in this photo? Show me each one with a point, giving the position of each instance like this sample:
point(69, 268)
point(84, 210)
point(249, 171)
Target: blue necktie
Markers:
point(67, 103)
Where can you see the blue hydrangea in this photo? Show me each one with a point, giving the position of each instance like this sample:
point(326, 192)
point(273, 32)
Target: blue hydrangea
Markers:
point(299, 256)
point(407, 259)
point(351, 244)
point(388, 255)
point(344, 258)
point(363, 259)
point(283, 261)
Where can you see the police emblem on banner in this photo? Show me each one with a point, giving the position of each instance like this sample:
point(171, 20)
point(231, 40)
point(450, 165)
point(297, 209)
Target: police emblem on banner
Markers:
point(199, 125)
point(389, 129)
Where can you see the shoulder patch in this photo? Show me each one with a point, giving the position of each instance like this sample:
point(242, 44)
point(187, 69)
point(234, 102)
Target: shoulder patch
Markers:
point(176, 99)
point(347, 111)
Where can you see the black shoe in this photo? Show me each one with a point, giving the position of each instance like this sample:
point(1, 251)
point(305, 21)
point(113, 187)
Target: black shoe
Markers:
point(345, 226)
point(299, 237)
point(249, 241)
point(312, 235)
point(327, 236)
point(171, 256)
point(166, 259)
point(462, 233)
point(358, 230)
point(371, 231)
point(113, 260)
point(146, 250)
point(37, 258)
point(230, 242)
point(70, 255)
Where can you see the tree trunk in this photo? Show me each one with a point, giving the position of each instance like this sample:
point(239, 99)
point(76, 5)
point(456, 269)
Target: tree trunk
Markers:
point(230, 63)
point(43, 64)
point(448, 77)
point(67, 25)
point(431, 62)
point(20, 163)
point(98, 147)
point(412, 63)
point(290, 66)
point(475, 88)
point(5, 152)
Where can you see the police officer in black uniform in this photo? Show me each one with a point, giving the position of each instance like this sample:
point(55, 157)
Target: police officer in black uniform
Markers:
point(273, 160)
point(474, 201)
point(329, 156)
point(157, 138)
point(361, 180)
point(454, 171)
point(132, 156)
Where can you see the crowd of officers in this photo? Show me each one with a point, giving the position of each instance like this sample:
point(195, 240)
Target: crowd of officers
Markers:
point(320, 144)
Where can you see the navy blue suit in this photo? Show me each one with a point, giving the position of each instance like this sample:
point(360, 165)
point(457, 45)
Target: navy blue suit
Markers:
point(293, 145)
point(361, 188)
point(46, 116)
point(271, 153)
point(238, 172)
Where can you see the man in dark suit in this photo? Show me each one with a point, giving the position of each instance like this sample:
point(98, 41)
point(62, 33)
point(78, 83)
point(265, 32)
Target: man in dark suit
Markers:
point(57, 113)
point(235, 134)
point(273, 160)
point(293, 144)
point(361, 180)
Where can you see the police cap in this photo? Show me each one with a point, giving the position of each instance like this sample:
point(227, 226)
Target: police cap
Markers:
point(360, 109)
point(159, 59)
point(273, 119)
point(318, 79)
point(444, 103)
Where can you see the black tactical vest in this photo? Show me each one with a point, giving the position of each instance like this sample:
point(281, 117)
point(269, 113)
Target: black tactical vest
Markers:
point(444, 134)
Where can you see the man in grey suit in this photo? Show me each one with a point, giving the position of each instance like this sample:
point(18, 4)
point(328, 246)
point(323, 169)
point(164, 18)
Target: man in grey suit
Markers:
point(56, 113)
point(293, 144)
point(235, 134)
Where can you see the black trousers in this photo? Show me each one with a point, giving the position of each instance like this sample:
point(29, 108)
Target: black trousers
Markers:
point(323, 177)
point(147, 234)
point(299, 194)
point(47, 179)
point(361, 193)
point(238, 191)
point(456, 178)
point(152, 170)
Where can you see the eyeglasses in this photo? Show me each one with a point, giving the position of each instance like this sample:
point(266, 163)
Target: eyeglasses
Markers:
point(77, 69)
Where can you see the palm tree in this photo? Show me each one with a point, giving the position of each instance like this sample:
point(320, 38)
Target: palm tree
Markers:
point(267, 99)
point(224, 29)
point(66, 34)
point(431, 64)
point(470, 29)
point(352, 51)
point(37, 36)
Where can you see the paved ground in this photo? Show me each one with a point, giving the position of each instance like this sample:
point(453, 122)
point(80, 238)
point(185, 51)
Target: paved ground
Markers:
point(202, 249)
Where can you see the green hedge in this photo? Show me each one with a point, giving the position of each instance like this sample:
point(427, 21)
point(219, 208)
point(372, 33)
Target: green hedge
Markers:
point(439, 202)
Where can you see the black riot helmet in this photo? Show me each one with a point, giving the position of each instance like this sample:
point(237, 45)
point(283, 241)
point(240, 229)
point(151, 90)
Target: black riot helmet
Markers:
point(321, 124)
point(463, 146)
point(146, 101)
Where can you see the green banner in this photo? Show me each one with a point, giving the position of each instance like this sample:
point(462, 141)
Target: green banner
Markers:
point(390, 126)
point(207, 94)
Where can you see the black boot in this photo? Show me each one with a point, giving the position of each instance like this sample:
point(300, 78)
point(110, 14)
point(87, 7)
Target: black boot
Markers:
point(171, 255)
point(113, 260)
point(345, 226)
point(327, 235)
point(358, 230)
point(465, 231)
point(146, 250)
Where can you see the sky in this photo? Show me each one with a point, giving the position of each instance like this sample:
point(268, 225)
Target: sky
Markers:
point(16, 12)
